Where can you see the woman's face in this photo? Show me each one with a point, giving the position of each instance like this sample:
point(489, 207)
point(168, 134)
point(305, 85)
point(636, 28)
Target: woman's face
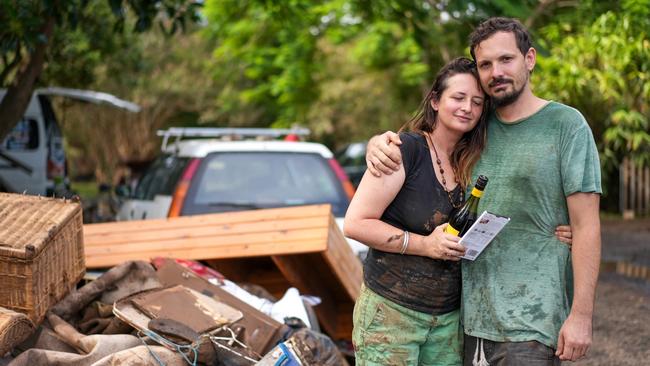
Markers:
point(460, 105)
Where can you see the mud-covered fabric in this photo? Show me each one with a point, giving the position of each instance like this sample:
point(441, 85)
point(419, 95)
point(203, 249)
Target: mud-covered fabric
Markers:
point(315, 348)
point(386, 333)
point(418, 283)
point(519, 288)
point(118, 282)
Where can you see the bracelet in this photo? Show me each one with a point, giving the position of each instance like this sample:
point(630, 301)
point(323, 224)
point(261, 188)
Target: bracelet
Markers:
point(405, 243)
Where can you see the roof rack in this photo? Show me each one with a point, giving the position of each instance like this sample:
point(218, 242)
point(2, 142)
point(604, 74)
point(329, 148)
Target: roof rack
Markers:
point(237, 133)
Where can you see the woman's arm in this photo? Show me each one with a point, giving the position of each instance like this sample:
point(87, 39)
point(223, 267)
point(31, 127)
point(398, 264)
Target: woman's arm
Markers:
point(362, 221)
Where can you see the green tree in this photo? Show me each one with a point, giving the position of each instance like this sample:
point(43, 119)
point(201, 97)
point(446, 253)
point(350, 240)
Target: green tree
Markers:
point(603, 69)
point(30, 28)
point(171, 87)
point(345, 68)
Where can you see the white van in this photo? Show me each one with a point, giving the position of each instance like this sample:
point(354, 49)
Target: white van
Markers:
point(32, 156)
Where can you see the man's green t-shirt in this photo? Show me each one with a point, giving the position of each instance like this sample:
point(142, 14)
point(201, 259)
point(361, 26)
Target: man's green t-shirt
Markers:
point(519, 288)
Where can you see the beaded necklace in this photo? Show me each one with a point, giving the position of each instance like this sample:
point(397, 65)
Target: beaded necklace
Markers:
point(444, 181)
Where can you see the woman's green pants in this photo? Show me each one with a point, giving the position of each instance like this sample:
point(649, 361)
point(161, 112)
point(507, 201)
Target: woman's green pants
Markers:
point(386, 333)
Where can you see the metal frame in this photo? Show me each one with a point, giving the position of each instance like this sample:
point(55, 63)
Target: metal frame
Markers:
point(238, 133)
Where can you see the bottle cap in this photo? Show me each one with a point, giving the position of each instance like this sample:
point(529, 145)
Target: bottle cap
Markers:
point(481, 182)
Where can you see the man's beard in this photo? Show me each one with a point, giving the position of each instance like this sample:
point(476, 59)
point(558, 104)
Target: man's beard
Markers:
point(508, 98)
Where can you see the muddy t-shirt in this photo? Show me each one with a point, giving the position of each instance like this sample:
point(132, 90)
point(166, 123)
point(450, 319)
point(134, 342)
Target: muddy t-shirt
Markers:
point(519, 288)
point(419, 283)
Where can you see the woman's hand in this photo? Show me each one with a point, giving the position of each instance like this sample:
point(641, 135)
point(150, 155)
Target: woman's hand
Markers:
point(563, 234)
point(440, 245)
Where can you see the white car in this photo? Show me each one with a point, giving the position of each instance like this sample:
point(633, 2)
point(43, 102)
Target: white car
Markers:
point(238, 169)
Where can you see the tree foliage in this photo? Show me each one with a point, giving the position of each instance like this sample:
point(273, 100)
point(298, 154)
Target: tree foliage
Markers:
point(32, 26)
point(171, 88)
point(346, 68)
point(602, 68)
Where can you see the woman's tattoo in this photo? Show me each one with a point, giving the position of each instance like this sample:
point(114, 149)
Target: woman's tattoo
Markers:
point(397, 238)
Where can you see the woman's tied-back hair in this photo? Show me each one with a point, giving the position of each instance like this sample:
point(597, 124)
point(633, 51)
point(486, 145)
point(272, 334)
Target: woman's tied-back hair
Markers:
point(468, 150)
point(493, 25)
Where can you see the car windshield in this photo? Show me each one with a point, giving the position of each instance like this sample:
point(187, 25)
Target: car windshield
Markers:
point(161, 177)
point(243, 180)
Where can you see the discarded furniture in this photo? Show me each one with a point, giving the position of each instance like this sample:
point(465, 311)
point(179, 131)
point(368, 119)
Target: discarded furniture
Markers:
point(41, 252)
point(260, 331)
point(14, 328)
point(275, 248)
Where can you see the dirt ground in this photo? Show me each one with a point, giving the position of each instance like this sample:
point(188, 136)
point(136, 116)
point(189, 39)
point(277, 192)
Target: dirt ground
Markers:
point(622, 311)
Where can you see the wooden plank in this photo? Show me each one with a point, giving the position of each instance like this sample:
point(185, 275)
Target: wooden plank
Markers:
point(343, 261)
point(344, 320)
point(216, 252)
point(245, 241)
point(228, 218)
point(118, 236)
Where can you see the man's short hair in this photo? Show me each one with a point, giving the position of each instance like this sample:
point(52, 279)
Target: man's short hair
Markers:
point(493, 25)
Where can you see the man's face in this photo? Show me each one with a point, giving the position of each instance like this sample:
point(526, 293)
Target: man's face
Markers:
point(503, 70)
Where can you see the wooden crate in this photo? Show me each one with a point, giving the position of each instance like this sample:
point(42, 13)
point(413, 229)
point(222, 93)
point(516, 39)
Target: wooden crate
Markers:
point(41, 252)
point(275, 248)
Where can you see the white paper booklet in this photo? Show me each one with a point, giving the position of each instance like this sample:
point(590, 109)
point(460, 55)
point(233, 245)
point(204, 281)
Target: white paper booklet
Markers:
point(481, 233)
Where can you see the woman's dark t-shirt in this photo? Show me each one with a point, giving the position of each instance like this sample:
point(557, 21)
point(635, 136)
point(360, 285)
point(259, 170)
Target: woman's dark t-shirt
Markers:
point(423, 284)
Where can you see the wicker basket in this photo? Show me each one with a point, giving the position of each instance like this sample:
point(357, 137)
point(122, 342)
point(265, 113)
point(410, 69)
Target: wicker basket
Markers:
point(41, 252)
point(14, 328)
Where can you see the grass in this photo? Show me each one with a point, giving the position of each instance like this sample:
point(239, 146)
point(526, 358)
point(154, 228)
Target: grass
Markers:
point(87, 190)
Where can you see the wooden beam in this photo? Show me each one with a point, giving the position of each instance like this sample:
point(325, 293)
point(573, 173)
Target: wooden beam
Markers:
point(226, 235)
point(227, 218)
point(118, 235)
point(343, 262)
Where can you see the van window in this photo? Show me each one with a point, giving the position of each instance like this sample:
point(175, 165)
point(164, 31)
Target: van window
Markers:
point(161, 177)
point(23, 137)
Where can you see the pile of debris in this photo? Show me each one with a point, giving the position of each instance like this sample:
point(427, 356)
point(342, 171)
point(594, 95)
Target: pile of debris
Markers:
point(172, 311)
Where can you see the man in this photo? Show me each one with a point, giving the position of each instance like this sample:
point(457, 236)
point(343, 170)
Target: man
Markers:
point(519, 305)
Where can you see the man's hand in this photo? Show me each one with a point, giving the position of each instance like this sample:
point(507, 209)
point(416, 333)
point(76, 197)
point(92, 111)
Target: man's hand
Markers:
point(575, 338)
point(383, 154)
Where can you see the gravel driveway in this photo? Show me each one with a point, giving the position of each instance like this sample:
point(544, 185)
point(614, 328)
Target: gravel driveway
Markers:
point(622, 312)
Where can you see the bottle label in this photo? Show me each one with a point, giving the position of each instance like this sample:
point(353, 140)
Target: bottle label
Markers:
point(450, 230)
point(477, 192)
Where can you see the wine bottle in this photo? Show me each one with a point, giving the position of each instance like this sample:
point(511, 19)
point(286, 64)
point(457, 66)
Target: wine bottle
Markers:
point(462, 219)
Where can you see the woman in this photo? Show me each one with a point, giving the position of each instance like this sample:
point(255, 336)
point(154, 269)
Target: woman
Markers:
point(408, 310)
